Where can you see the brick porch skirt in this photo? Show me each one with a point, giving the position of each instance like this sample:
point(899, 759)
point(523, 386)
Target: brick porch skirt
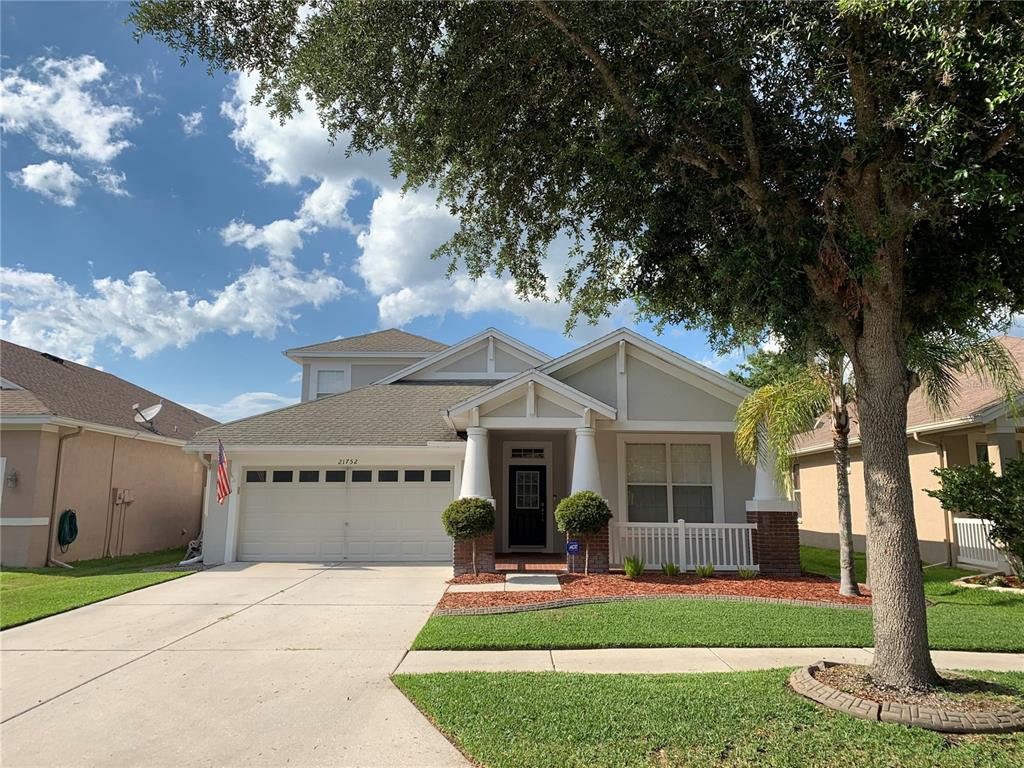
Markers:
point(462, 557)
point(776, 542)
point(598, 545)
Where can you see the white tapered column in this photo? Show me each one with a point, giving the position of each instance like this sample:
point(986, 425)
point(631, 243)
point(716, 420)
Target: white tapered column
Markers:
point(585, 474)
point(476, 473)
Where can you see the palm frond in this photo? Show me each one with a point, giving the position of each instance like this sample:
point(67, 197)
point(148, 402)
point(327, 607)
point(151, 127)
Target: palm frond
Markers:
point(941, 361)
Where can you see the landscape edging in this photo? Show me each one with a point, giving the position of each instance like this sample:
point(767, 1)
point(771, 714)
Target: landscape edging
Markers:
point(803, 682)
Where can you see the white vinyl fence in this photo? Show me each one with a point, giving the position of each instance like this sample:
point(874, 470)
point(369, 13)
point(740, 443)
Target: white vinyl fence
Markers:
point(726, 546)
point(974, 548)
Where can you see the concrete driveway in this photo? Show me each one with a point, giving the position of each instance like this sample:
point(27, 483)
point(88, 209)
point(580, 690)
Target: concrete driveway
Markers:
point(245, 664)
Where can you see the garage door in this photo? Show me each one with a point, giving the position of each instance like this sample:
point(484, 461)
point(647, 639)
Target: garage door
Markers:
point(379, 514)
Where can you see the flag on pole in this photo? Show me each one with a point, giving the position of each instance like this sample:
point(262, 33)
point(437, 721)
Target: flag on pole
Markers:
point(223, 482)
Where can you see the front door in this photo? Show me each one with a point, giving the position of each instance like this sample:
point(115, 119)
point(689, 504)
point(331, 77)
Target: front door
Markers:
point(527, 505)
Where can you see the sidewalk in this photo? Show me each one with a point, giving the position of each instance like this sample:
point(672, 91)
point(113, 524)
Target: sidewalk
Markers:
point(673, 660)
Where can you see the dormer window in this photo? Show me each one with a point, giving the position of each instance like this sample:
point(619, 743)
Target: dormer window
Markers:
point(329, 383)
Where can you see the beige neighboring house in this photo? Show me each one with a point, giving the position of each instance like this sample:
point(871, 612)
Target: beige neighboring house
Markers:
point(69, 440)
point(977, 429)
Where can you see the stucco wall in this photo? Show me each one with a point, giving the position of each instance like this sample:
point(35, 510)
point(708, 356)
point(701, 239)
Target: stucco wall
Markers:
point(653, 395)
point(166, 482)
point(597, 380)
point(363, 374)
point(819, 508)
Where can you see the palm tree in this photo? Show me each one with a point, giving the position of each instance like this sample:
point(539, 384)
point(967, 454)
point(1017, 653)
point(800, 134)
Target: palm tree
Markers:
point(773, 415)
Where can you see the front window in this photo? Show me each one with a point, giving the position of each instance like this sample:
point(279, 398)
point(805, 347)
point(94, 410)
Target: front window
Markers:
point(329, 383)
point(668, 482)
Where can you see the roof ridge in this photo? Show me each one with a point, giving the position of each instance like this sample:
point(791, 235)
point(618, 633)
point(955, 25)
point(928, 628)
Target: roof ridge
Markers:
point(367, 335)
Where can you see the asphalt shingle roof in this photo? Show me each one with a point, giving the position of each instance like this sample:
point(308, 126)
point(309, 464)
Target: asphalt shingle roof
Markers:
point(55, 387)
point(975, 396)
point(390, 340)
point(380, 414)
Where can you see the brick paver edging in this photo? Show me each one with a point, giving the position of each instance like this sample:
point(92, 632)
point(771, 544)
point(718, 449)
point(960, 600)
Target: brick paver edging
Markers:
point(946, 720)
point(566, 602)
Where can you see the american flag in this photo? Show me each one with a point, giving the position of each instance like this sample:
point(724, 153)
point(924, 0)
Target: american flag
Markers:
point(223, 483)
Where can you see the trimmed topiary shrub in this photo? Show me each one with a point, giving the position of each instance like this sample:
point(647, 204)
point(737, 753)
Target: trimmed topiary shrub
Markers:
point(582, 512)
point(467, 519)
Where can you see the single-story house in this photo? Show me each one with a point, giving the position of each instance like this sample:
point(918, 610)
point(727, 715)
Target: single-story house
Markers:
point(977, 428)
point(72, 437)
point(393, 426)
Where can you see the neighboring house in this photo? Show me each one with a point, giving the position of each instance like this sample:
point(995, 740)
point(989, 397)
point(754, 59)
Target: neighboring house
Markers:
point(978, 428)
point(69, 440)
point(364, 474)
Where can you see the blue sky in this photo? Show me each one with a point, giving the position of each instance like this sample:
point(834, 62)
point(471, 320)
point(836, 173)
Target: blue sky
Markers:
point(157, 225)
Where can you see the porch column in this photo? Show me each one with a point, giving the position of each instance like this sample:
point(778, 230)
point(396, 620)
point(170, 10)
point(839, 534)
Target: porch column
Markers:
point(476, 473)
point(585, 475)
point(776, 541)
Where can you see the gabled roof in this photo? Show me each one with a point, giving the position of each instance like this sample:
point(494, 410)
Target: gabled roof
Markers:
point(977, 403)
point(581, 398)
point(52, 387)
point(390, 341)
point(463, 345)
point(377, 415)
point(735, 391)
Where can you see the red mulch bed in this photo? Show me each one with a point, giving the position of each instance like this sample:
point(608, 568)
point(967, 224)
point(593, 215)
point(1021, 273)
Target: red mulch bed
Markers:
point(480, 578)
point(809, 587)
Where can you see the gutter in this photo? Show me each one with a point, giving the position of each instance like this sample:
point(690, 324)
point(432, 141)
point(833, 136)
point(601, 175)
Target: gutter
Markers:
point(940, 449)
point(50, 560)
point(60, 421)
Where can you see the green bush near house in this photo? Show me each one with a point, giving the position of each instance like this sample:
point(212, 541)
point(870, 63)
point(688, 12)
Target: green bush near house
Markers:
point(468, 518)
point(670, 569)
point(634, 567)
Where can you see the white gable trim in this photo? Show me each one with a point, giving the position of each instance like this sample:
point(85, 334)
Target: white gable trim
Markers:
point(455, 351)
point(671, 362)
point(536, 377)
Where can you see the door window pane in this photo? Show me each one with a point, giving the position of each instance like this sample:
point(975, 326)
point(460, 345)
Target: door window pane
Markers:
point(645, 463)
point(361, 475)
point(334, 476)
point(440, 475)
point(256, 476)
point(691, 464)
point(283, 475)
point(527, 489)
point(387, 476)
point(309, 475)
point(647, 503)
point(329, 382)
point(414, 475)
point(692, 503)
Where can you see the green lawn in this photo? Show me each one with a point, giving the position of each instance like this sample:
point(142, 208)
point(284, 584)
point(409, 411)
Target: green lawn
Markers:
point(960, 619)
point(562, 720)
point(27, 594)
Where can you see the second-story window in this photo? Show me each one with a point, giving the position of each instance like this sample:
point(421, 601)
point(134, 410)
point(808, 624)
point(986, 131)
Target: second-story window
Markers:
point(329, 383)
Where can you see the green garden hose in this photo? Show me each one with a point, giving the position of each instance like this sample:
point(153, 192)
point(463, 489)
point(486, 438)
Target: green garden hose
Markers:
point(67, 529)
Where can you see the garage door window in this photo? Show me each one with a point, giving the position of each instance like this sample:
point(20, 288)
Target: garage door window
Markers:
point(309, 475)
point(414, 475)
point(283, 475)
point(361, 475)
point(440, 475)
point(334, 476)
point(387, 476)
point(256, 476)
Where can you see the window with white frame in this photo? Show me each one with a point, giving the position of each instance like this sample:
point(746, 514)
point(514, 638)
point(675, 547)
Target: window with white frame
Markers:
point(667, 482)
point(329, 383)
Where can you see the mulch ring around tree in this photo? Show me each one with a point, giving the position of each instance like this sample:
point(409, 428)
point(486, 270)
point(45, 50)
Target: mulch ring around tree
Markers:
point(959, 704)
point(480, 578)
point(577, 588)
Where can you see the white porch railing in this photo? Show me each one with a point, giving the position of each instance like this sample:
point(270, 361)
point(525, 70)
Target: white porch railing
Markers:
point(726, 546)
point(974, 548)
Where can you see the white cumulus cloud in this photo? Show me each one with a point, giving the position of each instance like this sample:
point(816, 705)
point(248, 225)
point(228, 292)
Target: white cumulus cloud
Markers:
point(60, 104)
point(245, 404)
point(192, 123)
point(54, 181)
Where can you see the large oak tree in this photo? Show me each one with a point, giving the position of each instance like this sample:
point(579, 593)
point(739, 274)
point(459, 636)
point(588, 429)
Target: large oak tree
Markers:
point(745, 167)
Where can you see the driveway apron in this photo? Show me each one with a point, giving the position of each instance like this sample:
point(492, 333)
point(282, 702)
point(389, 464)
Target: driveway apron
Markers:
point(260, 664)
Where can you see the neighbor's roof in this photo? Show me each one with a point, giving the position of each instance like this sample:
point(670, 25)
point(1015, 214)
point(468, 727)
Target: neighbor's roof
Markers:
point(390, 340)
point(380, 414)
point(51, 386)
point(975, 398)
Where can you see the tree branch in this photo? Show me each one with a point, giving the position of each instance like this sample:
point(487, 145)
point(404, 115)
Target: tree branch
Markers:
point(1005, 137)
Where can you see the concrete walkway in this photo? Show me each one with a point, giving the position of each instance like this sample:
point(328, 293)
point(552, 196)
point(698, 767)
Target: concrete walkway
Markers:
point(675, 660)
point(515, 582)
point(251, 664)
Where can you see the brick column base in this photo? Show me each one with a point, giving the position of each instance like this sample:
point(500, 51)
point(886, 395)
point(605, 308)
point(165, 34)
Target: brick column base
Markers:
point(776, 542)
point(598, 546)
point(462, 557)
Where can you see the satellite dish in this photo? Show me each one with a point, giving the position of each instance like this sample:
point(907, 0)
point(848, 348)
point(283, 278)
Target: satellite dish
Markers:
point(146, 415)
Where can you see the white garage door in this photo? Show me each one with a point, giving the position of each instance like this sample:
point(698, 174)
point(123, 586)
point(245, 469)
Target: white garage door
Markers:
point(375, 514)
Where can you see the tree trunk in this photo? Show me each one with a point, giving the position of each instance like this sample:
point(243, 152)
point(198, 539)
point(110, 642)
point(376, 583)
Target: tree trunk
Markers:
point(473, 543)
point(901, 656)
point(841, 449)
point(586, 558)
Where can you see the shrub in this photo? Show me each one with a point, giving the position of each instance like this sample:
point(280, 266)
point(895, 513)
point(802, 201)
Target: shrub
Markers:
point(998, 581)
point(976, 491)
point(705, 570)
point(634, 567)
point(467, 519)
point(748, 574)
point(582, 512)
point(670, 569)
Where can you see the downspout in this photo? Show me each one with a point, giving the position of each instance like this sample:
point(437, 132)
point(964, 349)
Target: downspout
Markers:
point(50, 560)
point(940, 449)
point(206, 503)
